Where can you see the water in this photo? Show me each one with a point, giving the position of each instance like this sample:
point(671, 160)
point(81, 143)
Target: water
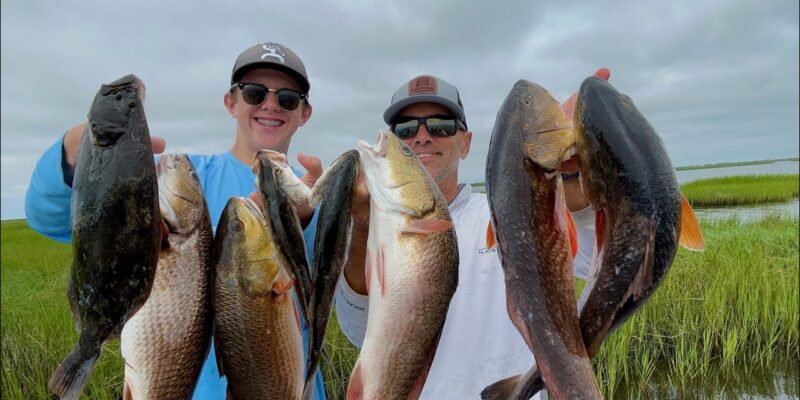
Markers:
point(777, 379)
point(751, 212)
point(743, 213)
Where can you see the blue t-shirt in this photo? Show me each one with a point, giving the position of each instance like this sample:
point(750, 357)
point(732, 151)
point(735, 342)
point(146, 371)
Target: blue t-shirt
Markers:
point(222, 176)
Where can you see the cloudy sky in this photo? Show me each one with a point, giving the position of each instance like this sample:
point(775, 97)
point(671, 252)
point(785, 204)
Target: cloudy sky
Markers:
point(717, 79)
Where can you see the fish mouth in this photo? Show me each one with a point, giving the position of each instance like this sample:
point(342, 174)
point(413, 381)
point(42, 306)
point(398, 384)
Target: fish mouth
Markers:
point(379, 150)
point(254, 209)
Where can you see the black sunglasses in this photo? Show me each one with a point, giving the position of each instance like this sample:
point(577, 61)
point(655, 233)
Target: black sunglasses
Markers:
point(255, 95)
point(437, 125)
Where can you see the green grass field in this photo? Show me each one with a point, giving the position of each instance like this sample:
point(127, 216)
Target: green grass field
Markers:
point(733, 305)
point(741, 190)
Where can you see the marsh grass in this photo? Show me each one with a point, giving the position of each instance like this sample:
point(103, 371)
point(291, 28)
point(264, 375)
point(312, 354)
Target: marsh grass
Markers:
point(734, 164)
point(734, 305)
point(741, 190)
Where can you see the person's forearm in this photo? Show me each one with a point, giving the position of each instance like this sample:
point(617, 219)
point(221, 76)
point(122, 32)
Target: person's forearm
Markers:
point(354, 271)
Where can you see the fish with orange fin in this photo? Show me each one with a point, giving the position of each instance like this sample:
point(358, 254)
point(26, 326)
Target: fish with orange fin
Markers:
point(411, 273)
point(537, 240)
point(641, 215)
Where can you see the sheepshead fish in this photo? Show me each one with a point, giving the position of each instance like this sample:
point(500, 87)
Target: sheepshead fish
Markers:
point(333, 192)
point(116, 227)
point(411, 272)
point(641, 216)
point(165, 343)
point(257, 336)
point(536, 241)
point(280, 190)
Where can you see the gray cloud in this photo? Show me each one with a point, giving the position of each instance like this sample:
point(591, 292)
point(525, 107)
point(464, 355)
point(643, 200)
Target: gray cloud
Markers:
point(718, 80)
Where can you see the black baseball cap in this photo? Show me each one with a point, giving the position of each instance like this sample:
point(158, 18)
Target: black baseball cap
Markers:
point(274, 56)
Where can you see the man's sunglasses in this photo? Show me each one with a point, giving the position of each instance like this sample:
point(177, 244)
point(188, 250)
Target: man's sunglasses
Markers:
point(437, 125)
point(255, 95)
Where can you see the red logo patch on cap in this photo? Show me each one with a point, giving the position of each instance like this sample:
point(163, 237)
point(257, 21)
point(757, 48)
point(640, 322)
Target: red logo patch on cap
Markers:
point(422, 85)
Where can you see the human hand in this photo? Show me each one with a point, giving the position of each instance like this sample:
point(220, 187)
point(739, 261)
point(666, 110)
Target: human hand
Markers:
point(360, 204)
point(72, 143)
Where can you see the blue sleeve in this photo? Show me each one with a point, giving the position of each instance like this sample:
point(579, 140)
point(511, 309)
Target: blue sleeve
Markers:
point(47, 200)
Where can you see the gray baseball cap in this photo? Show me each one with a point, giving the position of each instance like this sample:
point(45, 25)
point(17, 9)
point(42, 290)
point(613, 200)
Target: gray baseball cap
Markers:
point(271, 55)
point(426, 89)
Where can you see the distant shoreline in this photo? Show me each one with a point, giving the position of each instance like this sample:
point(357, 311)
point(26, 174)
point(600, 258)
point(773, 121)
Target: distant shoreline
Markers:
point(733, 164)
point(709, 166)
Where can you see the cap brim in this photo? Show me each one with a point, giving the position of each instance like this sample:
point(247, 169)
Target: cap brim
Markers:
point(301, 80)
point(395, 108)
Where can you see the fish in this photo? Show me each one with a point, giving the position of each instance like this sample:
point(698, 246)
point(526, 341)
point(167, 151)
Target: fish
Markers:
point(257, 335)
point(116, 227)
point(333, 192)
point(411, 272)
point(641, 215)
point(280, 190)
point(536, 241)
point(165, 343)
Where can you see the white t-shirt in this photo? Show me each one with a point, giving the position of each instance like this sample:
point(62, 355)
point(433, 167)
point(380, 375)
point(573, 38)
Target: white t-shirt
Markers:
point(479, 344)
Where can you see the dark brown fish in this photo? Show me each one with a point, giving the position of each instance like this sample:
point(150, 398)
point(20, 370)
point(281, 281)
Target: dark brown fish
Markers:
point(165, 343)
point(257, 334)
point(641, 216)
point(333, 192)
point(116, 227)
point(280, 190)
point(535, 235)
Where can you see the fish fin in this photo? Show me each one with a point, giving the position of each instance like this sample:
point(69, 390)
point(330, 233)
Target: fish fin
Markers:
point(218, 355)
point(565, 221)
point(126, 390)
point(644, 276)
point(297, 316)
point(367, 269)
point(375, 264)
point(70, 377)
point(427, 226)
point(502, 389)
point(490, 240)
point(597, 254)
point(282, 282)
point(573, 235)
point(355, 389)
point(691, 238)
point(379, 266)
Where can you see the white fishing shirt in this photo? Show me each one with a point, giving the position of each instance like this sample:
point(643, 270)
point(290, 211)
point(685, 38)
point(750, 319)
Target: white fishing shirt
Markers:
point(479, 344)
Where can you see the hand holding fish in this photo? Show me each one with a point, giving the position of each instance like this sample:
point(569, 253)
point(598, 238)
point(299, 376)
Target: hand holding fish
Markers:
point(72, 142)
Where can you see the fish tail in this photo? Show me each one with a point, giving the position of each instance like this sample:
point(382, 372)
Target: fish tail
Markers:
point(355, 389)
point(522, 387)
point(308, 388)
point(70, 377)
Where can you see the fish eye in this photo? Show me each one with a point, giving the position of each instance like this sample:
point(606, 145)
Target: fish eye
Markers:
point(132, 103)
point(527, 100)
point(236, 225)
point(406, 150)
point(193, 174)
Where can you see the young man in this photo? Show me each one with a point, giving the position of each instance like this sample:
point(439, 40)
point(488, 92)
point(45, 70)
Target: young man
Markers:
point(268, 98)
point(479, 345)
